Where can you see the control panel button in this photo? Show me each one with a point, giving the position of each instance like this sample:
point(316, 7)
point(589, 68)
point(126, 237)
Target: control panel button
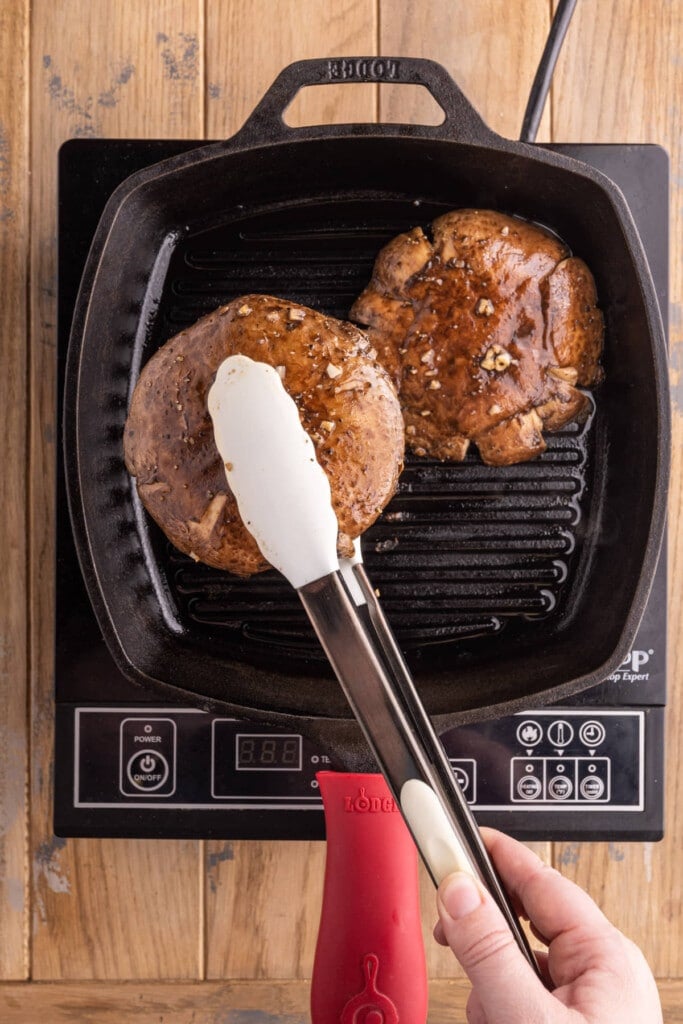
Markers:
point(465, 771)
point(530, 788)
point(594, 779)
point(592, 788)
point(147, 756)
point(560, 787)
point(147, 772)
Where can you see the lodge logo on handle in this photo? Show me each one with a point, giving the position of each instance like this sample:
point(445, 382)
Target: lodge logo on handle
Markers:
point(362, 803)
point(376, 69)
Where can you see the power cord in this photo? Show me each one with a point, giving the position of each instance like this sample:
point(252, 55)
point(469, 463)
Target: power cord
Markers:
point(546, 67)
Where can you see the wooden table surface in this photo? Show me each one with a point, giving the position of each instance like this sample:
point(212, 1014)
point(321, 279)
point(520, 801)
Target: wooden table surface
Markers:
point(194, 931)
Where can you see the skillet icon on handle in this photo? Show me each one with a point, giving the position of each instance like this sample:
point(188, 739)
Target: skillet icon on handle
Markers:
point(370, 1006)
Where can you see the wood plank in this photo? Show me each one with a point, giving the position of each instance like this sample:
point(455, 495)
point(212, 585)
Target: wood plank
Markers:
point(263, 908)
point(247, 46)
point(628, 55)
point(14, 203)
point(263, 899)
point(490, 51)
point(100, 909)
point(211, 1002)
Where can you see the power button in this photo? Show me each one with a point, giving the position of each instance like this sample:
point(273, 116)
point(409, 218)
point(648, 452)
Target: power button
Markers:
point(147, 772)
point(147, 757)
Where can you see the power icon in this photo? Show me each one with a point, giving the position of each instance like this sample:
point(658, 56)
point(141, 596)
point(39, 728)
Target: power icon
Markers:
point(147, 772)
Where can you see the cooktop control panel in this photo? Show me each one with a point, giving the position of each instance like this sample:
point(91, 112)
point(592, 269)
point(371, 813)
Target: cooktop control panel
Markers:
point(226, 772)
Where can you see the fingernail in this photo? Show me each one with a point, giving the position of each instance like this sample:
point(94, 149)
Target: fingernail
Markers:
point(460, 895)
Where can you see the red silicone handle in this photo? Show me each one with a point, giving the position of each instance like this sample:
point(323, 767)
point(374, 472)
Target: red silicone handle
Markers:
point(369, 961)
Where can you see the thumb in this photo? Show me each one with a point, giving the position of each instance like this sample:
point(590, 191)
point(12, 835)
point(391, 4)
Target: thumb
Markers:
point(505, 985)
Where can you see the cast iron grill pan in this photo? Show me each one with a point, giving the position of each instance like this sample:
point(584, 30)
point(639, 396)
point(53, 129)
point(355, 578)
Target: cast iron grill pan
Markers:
point(505, 586)
point(463, 550)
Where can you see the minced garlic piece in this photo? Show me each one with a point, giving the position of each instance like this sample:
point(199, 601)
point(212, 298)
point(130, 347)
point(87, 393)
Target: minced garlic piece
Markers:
point(496, 358)
point(485, 307)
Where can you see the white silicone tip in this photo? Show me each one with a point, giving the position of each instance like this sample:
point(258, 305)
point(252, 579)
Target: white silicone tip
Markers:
point(433, 832)
point(281, 489)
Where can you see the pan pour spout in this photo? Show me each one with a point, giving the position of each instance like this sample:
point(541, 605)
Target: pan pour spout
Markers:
point(284, 500)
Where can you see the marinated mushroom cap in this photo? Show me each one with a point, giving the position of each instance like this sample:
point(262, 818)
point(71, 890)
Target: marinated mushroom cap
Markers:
point(346, 400)
point(488, 329)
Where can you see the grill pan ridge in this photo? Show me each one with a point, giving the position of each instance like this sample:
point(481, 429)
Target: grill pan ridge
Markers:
point(462, 549)
point(504, 586)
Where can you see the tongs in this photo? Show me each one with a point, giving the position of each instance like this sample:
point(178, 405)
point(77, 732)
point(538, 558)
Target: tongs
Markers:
point(267, 453)
point(346, 614)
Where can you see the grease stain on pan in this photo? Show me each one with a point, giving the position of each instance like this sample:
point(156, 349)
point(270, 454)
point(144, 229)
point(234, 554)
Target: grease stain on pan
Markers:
point(180, 55)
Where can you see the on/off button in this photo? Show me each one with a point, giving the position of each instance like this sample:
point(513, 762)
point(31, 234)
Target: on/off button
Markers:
point(147, 772)
point(147, 756)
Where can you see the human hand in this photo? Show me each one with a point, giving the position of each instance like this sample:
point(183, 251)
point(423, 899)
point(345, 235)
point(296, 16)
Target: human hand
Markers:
point(596, 974)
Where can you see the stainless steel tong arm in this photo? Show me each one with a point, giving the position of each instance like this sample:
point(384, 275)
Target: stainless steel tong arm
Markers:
point(380, 691)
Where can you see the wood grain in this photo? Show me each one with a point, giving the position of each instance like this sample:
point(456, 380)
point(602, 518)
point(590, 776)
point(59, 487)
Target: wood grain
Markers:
point(629, 55)
point(263, 908)
point(255, 1002)
point(14, 202)
point(490, 50)
point(100, 909)
point(248, 44)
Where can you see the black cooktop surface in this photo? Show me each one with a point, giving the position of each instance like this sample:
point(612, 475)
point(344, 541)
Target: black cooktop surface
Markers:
point(125, 766)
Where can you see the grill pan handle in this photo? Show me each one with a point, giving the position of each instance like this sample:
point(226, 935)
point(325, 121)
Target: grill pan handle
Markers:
point(461, 123)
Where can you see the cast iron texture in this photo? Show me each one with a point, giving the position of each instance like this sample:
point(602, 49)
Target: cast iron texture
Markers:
point(507, 587)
